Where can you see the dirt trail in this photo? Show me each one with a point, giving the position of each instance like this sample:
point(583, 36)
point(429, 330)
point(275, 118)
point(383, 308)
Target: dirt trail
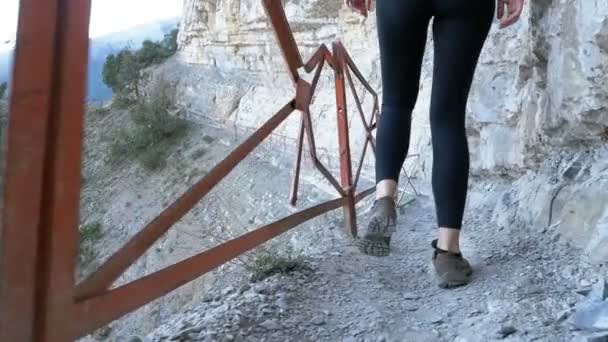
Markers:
point(524, 289)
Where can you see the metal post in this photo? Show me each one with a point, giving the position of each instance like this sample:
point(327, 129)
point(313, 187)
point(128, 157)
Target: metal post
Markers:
point(26, 153)
point(40, 228)
point(346, 174)
point(62, 178)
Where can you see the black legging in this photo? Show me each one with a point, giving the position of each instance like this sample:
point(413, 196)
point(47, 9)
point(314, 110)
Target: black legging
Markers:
point(460, 28)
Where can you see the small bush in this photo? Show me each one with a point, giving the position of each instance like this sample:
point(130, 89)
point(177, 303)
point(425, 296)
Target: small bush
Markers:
point(267, 264)
point(153, 158)
point(89, 235)
point(91, 232)
point(155, 130)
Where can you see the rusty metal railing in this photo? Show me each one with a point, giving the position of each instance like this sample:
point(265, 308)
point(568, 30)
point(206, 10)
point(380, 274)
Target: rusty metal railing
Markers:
point(39, 300)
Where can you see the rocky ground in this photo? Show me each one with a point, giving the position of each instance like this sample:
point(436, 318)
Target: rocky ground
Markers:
point(527, 287)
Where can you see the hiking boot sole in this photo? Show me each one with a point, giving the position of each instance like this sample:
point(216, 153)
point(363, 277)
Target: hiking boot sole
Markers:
point(381, 226)
point(375, 246)
point(377, 238)
point(447, 282)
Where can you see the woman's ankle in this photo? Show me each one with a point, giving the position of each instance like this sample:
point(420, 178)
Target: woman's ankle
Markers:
point(449, 239)
point(386, 188)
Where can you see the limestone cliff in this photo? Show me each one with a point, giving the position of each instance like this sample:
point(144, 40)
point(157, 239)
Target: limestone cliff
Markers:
point(538, 111)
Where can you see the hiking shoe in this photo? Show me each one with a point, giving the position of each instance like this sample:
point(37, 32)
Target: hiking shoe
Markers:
point(452, 269)
point(382, 224)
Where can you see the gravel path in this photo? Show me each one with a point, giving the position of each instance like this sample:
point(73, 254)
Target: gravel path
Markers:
point(524, 289)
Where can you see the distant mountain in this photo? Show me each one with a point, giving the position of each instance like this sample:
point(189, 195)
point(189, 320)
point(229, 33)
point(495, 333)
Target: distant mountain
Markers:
point(99, 49)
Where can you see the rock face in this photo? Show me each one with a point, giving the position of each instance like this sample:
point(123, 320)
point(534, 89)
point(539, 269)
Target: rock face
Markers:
point(538, 110)
point(542, 85)
point(239, 73)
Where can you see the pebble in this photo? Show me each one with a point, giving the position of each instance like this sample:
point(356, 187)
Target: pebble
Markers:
point(506, 331)
point(245, 288)
point(344, 326)
point(186, 333)
point(228, 290)
point(437, 321)
point(562, 315)
point(534, 290)
point(281, 303)
point(271, 324)
point(318, 320)
point(474, 313)
point(261, 288)
point(410, 296)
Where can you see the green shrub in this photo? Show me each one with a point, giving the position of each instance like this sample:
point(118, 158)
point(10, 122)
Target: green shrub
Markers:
point(155, 130)
point(267, 264)
point(151, 53)
point(89, 235)
point(122, 72)
point(91, 232)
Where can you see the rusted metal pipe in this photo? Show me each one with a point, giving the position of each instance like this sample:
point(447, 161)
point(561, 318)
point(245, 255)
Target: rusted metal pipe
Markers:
point(284, 35)
point(30, 115)
point(346, 176)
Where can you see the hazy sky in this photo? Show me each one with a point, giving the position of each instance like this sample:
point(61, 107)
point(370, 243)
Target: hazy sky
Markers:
point(106, 16)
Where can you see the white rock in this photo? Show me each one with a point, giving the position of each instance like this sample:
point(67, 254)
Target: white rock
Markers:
point(271, 324)
point(592, 316)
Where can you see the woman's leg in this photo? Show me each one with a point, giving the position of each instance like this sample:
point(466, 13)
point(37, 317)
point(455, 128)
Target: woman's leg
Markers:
point(460, 29)
point(402, 31)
